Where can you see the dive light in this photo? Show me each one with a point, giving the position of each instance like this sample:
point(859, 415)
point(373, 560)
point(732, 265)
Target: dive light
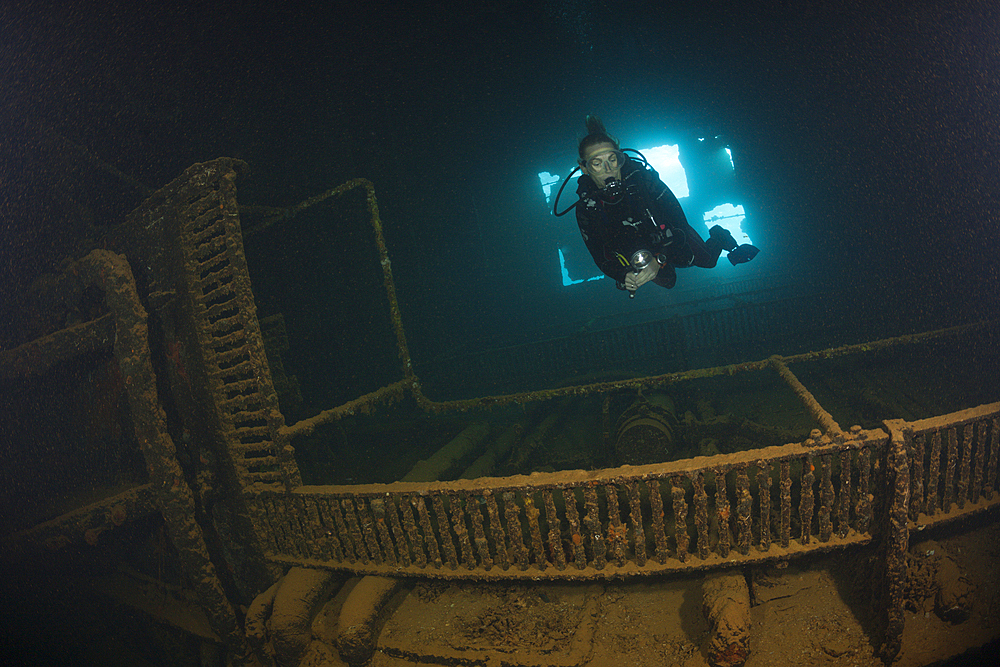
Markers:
point(640, 260)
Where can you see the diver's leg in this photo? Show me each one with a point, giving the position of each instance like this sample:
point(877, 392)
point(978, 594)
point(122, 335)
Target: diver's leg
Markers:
point(706, 253)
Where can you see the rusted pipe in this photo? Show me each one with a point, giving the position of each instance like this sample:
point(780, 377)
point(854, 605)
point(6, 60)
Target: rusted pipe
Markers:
point(825, 419)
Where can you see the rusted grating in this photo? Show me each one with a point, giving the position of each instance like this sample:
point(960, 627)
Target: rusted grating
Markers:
point(228, 332)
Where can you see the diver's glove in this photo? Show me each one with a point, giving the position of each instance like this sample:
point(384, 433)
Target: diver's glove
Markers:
point(742, 254)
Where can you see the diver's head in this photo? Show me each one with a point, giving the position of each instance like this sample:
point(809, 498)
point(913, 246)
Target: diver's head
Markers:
point(600, 156)
point(603, 163)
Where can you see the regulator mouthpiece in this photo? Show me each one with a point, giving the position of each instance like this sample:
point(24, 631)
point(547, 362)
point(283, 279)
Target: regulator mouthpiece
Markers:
point(612, 189)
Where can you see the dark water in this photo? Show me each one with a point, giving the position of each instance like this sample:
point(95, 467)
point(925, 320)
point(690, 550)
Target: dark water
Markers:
point(864, 139)
point(865, 143)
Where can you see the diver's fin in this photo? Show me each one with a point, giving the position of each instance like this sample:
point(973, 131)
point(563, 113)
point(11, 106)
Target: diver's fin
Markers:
point(742, 254)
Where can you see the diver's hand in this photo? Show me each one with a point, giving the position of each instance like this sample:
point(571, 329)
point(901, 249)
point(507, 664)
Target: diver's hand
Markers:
point(634, 281)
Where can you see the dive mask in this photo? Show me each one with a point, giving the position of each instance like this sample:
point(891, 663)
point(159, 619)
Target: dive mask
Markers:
point(605, 169)
point(608, 162)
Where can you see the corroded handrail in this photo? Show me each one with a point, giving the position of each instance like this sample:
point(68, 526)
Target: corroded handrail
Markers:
point(952, 462)
point(587, 524)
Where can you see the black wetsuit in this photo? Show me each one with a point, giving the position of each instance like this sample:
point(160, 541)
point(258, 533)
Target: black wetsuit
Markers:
point(646, 217)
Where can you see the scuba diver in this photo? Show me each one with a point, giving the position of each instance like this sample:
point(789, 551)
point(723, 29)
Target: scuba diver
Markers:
point(633, 224)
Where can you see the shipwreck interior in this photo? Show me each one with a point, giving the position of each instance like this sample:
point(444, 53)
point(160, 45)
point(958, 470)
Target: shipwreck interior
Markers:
point(261, 488)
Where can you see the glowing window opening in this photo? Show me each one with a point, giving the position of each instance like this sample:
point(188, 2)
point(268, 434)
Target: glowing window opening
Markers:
point(666, 161)
point(731, 218)
point(548, 180)
point(565, 272)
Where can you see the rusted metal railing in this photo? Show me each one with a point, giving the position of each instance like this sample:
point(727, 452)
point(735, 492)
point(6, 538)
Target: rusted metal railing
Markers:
point(940, 469)
point(685, 515)
point(952, 463)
